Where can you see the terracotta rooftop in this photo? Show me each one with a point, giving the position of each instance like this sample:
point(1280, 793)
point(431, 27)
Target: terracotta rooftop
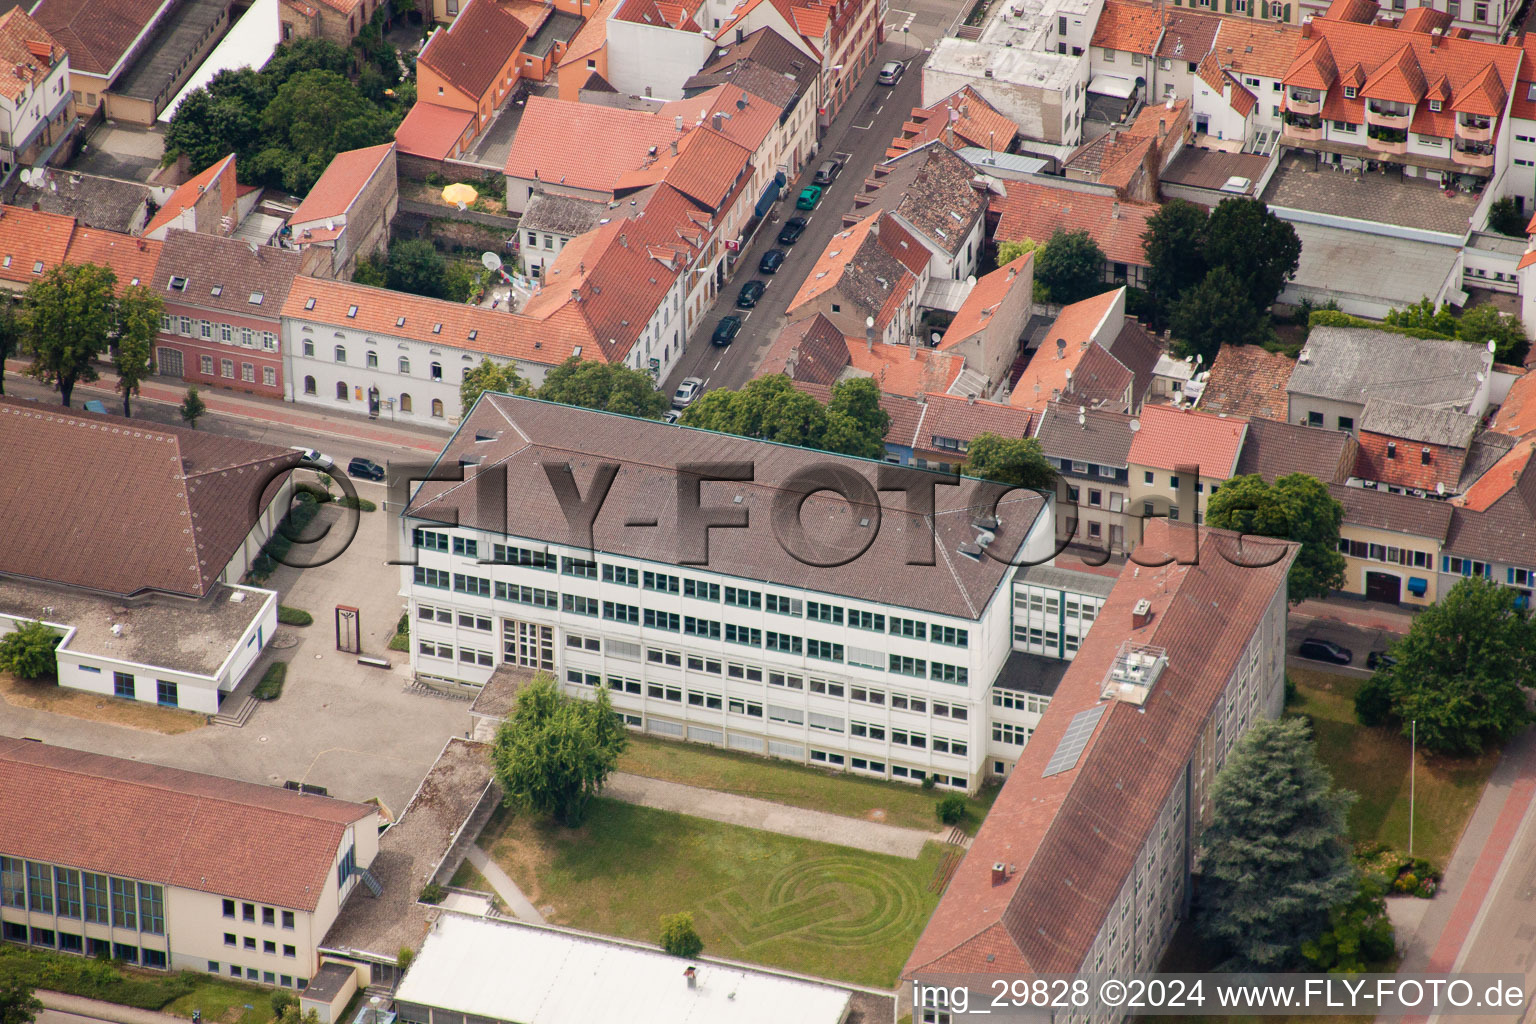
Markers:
point(592, 37)
point(471, 51)
point(746, 62)
point(1170, 437)
point(432, 131)
point(859, 262)
point(529, 433)
point(224, 274)
point(810, 350)
point(1074, 834)
point(220, 175)
point(341, 184)
point(1032, 211)
point(1360, 11)
point(212, 834)
point(1225, 83)
point(96, 33)
point(1248, 380)
point(958, 418)
point(1049, 371)
point(1496, 519)
point(975, 123)
point(1249, 46)
point(132, 259)
point(1189, 34)
point(1517, 416)
point(31, 243)
point(1128, 27)
point(27, 52)
point(982, 302)
point(1273, 448)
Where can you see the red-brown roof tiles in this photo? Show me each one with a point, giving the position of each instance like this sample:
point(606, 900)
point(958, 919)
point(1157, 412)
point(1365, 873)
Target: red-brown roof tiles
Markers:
point(27, 53)
point(341, 183)
point(32, 243)
point(1034, 212)
point(470, 53)
point(132, 259)
point(1171, 436)
point(1517, 416)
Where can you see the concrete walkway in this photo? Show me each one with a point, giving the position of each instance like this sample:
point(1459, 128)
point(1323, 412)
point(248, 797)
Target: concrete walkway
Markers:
point(96, 1008)
point(769, 816)
point(517, 904)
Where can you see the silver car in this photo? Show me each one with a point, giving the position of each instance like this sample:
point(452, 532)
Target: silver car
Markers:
point(891, 72)
point(686, 392)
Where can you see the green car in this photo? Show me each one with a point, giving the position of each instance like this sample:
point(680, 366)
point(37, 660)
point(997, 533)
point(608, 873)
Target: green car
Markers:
point(809, 197)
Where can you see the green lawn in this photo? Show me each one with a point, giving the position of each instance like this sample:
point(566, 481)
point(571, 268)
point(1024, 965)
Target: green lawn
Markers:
point(1374, 763)
point(179, 993)
point(894, 803)
point(756, 896)
point(225, 1002)
point(469, 878)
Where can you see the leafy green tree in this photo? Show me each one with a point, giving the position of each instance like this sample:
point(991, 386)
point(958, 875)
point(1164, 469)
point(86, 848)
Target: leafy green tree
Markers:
point(17, 1003)
point(1216, 312)
point(678, 935)
point(1259, 249)
point(1482, 324)
point(138, 320)
point(71, 314)
point(605, 386)
point(489, 376)
point(768, 407)
point(1504, 217)
point(856, 425)
point(1423, 316)
point(1359, 934)
point(1175, 246)
point(1007, 252)
point(370, 271)
point(292, 1015)
point(461, 282)
point(553, 753)
point(1019, 461)
point(1462, 667)
point(416, 266)
point(300, 55)
point(1297, 507)
point(205, 129)
point(1276, 856)
point(313, 116)
point(192, 407)
point(1071, 267)
point(27, 652)
point(12, 334)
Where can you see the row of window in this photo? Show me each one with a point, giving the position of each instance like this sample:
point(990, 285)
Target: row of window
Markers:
point(404, 403)
point(252, 974)
point(466, 655)
point(371, 360)
point(267, 945)
point(247, 371)
point(71, 942)
point(188, 327)
point(1006, 732)
point(1051, 604)
point(269, 915)
point(67, 892)
point(126, 685)
point(1034, 703)
point(1386, 553)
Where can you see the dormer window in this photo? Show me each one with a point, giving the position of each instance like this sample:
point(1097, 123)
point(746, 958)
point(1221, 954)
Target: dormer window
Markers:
point(1424, 456)
point(1349, 92)
point(1435, 105)
point(37, 266)
point(473, 335)
point(1391, 449)
point(437, 328)
point(399, 321)
point(7, 262)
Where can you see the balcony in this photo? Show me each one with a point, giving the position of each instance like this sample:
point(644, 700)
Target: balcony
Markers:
point(1304, 101)
point(1474, 129)
point(1473, 154)
point(1386, 140)
point(1301, 128)
point(1387, 115)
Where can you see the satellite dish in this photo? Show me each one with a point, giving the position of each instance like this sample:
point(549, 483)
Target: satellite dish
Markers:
point(970, 281)
point(490, 261)
point(1440, 489)
point(1491, 345)
point(462, 207)
point(937, 337)
point(1135, 425)
point(26, 176)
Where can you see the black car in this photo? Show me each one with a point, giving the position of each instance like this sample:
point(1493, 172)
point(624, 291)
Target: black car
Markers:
point(365, 468)
point(772, 260)
point(750, 293)
point(1325, 650)
point(792, 230)
point(725, 330)
point(1379, 659)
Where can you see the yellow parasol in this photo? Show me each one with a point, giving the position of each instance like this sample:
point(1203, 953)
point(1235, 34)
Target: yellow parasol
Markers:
point(460, 193)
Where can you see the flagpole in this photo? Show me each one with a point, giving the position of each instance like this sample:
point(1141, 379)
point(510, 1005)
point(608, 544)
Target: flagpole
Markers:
point(1413, 743)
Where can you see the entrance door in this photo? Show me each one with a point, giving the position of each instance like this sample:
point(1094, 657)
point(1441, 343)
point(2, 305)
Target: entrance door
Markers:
point(169, 362)
point(1383, 586)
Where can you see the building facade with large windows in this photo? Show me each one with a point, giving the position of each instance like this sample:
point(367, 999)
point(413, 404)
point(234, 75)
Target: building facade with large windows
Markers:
point(723, 635)
point(173, 870)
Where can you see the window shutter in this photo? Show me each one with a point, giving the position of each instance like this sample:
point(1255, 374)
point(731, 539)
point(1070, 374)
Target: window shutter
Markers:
point(1287, 13)
point(1229, 6)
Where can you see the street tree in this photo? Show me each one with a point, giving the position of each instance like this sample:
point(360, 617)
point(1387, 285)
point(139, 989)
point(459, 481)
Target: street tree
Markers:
point(18, 1004)
point(609, 387)
point(192, 407)
point(138, 320)
point(1276, 856)
point(489, 376)
point(1019, 461)
point(1259, 249)
point(1216, 312)
point(1071, 266)
point(554, 752)
point(1174, 243)
point(27, 652)
point(769, 407)
point(1297, 507)
point(1007, 252)
point(12, 334)
point(71, 315)
point(1461, 670)
point(856, 424)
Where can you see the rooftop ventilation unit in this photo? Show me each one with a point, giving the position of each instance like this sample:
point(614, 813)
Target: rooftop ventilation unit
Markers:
point(1135, 670)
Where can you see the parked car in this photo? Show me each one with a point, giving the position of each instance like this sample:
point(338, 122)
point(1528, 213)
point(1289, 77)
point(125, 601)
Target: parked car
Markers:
point(686, 392)
point(772, 260)
point(313, 459)
point(1379, 659)
point(725, 330)
point(671, 416)
point(827, 172)
point(891, 72)
point(750, 293)
point(809, 197)
point(792, 230)
point(1325, 650)
point(365, 468)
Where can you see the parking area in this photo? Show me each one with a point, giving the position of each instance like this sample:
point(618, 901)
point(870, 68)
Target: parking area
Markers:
point(1358, 640)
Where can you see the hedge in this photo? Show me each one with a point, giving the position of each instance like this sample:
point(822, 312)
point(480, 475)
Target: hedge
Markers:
point(294, 616)
point(1335, 318)
point(361, 504)
point(271, 685)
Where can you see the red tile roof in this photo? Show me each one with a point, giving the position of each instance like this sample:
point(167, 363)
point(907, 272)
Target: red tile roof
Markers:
point(1424, 19)
point(971, 120)
point(1517, 416)
point(432, 131)
point(984, 299)
point(1405, 467)
point(1171, 436)
point(96, 33)
point(194, 496)
point(220, 175)
point(470, 53)
point(1049, 371)
point(1247, 380)
point(1045, 917)
point(27, 53)
point(132, 259)
point(592, 37)
point(1247, 46)
point(341, 184)
point(1128, 27)
point(1224, 83)
point(1360, 11)
point(171, 827)
point(846, 254)
point(29, 238)
point(1399, 79)
point(1032, 211)
point(810, 350)
point(1498, 481)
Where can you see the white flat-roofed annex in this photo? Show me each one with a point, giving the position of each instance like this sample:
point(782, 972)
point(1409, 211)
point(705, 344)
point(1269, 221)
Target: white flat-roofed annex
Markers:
point(533, 975)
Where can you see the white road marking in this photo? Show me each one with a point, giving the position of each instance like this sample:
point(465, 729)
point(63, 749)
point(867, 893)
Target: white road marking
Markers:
point(863, 127)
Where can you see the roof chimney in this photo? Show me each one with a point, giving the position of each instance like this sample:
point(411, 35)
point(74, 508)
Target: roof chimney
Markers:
point(970, 399)
point(999, 873)
point(575, 294)
point(677, 122)
point(1306, 27)
point(691, 975)
point(1114, 211)
point(674, 147)
point(717, 120)
point(1141, 613)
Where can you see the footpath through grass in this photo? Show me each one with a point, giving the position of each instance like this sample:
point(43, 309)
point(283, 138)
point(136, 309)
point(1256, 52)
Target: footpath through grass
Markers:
point(757, 896)
point(221, 1002)
point(894, 803)
point(1374, 763)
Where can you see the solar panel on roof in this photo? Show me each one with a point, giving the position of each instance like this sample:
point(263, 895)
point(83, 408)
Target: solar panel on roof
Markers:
point(1074, 740)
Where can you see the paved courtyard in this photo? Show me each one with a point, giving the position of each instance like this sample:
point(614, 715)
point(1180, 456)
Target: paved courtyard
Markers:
point(354, 730)
point(1389, 198)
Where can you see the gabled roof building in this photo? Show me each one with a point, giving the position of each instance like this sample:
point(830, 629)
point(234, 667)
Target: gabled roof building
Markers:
point(929, 191)
point(349, 210)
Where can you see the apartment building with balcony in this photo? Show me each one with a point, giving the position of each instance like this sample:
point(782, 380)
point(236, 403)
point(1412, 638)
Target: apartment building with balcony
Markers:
point(829, 648)
point(1409, 95)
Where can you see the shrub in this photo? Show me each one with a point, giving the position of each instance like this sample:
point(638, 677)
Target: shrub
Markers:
point(1406, 883)
point(27, 652)
point(929, 782)
point(281, 1000)
point(432, 893)
point(1373, 702)
point(1290, 690)
point(315, 491)
point(401, 641)
point(950, 809)
point(271, 685)
point(294, 616)
point(404, 958)
point(1334, 318)
point(678, 936)
point(361, 504)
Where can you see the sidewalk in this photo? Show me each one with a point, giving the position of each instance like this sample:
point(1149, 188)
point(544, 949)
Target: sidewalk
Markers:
point(750, 812)
point(517, 904)
point(83, 1007)
point(1352, 612)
